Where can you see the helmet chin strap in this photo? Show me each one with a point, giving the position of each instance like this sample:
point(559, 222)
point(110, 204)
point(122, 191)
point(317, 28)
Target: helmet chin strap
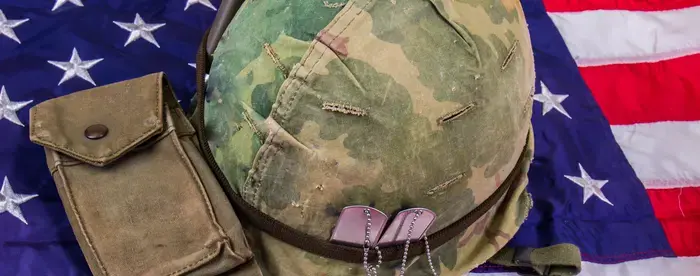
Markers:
point(227, 10)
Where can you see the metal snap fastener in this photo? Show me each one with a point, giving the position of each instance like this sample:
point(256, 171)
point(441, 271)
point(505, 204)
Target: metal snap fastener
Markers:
point(96, 131)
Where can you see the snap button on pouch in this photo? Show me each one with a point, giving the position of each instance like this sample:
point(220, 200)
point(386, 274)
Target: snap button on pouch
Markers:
point(96, 131)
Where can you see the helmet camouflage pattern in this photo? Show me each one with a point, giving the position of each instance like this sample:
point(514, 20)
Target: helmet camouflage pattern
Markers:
point(317, 105)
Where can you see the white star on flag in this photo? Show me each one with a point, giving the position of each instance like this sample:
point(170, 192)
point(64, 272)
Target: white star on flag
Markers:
point(203, 2)
point(60, 3)
point(76, 67)
point(8, 108)
point(590, 186)
point(9, 201)
point(7, 25)
point(550, 101)
point(140, 29)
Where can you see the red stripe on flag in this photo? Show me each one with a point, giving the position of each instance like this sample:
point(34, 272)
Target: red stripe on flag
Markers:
point(679, 214)
point(667, 90)
point(675, 202)
point(633, 5)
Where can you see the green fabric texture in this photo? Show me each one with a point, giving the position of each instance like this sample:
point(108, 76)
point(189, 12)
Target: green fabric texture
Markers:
point(244, 79)
point(556, 260)
point(313, 106)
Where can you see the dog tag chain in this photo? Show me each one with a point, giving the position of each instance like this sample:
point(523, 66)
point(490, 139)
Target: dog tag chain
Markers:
point(366, 246)
point(408, 242)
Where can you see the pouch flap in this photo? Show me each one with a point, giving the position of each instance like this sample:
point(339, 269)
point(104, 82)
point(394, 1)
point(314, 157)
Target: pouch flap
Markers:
point(117, 117)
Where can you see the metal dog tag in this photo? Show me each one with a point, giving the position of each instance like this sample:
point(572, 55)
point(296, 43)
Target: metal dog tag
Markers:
point(397, 232)
point(351, 226)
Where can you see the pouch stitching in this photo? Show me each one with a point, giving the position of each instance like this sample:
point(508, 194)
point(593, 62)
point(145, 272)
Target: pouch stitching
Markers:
point(79, 218)
point(60, 162)
point(182, 135)
point(198, 262)
point(192, 172)
point(202, 191)
point(89, 157)
point(55, 169)
point(89, 240)
point(154, 140)
point(189, 130)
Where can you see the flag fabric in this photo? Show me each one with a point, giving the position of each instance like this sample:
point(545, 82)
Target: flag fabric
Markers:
point(616, 118)
point(617, 124)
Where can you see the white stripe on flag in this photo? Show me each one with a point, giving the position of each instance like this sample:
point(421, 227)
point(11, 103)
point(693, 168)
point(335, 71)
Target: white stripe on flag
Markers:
point(663, 154)
point(680, 266)
point(600, 37)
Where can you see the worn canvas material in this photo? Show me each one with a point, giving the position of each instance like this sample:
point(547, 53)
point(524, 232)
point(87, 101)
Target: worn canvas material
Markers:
point(313, 106)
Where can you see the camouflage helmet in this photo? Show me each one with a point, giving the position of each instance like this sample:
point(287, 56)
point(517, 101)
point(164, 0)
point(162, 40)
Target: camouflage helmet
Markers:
point(312, 106)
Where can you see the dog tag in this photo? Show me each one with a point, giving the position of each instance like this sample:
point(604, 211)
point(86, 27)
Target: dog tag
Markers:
point(397, 232)
point(351, 226)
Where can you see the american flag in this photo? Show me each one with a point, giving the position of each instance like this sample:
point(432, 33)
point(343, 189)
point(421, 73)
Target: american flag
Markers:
point(616, 118)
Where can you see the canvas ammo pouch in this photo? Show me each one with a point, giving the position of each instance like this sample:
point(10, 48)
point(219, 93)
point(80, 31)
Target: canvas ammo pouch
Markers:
point(139, 196)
